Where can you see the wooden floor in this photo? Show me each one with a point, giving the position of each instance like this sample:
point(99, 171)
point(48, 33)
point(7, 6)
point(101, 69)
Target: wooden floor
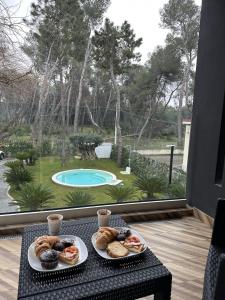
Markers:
point(181, 244)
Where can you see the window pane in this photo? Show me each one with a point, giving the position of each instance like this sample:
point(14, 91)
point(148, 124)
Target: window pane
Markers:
point(95, 108)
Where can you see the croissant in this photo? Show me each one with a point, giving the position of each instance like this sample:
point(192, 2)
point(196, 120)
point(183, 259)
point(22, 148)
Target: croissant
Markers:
point(44, 243)
point(105, 235)
point(41, 248)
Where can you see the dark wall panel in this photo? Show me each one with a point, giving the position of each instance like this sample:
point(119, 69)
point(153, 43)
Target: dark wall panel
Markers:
point(206, 174)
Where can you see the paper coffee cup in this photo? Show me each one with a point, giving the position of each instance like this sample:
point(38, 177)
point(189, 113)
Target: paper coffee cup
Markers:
point(54, 223)
point(103, 217)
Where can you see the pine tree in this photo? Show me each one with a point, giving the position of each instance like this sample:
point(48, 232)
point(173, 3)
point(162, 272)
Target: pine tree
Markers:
point(114, 51)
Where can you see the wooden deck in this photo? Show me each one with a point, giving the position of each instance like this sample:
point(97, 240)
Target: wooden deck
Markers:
point(181, 244)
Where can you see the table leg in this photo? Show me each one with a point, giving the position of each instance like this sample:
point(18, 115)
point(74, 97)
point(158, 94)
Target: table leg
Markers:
point(163, 295)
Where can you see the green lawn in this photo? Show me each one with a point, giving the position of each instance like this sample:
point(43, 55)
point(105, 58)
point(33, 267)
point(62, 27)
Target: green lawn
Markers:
point(48, 166)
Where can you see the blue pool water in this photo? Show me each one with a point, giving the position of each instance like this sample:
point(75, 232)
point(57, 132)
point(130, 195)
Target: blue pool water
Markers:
point(84, 177)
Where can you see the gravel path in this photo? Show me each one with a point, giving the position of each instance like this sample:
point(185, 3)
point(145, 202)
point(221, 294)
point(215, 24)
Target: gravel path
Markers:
point(4, 198)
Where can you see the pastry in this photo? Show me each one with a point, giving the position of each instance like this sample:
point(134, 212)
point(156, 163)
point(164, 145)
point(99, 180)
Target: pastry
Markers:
point(41, 248)
point(58, 246)
point(49, 259)
point(133, 244)
point(116, 250)
point(70, 255)
point(123, 234)
point(67, 242)
point(105, 235)
point(121, 237)
point(44, 243)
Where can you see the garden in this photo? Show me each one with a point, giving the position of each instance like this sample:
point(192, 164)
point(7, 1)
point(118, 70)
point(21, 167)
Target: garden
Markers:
point(30, 172)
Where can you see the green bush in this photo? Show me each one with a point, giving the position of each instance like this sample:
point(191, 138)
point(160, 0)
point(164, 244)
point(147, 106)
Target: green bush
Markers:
point(23, 156)
point(78, 198)
point(142, 166)
point(33, 197)
point(45, 148)
point(146, 167)
point(86, 145)
point(124, 158)
point(14, 164)
point(150, 185)
point(57, 148)
point(32, 157)
point(120, 193)
point(17, 176)
point(177, 190)
point(86, 139)
point(21, 130)
point(17, 146)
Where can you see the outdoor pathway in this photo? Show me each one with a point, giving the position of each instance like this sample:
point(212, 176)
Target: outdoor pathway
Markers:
point(4, 198)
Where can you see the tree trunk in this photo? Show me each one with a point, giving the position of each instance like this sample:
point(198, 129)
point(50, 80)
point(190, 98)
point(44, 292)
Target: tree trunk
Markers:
point(68, 102)
point(79, 96)
point(107, 106)
point(63, 153)
point(183, 95)
point(118, 135)
point(179, 116)
point(44, 90)
point(143, 127)
point(92, 119)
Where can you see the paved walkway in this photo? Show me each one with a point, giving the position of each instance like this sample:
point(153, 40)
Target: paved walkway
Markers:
point(4, 198)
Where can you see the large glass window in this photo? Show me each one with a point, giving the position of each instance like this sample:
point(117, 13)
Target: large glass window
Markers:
point(96, 100)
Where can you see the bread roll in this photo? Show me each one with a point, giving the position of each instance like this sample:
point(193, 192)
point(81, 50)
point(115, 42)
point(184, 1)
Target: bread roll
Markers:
point(116, 250)
point(105, 235)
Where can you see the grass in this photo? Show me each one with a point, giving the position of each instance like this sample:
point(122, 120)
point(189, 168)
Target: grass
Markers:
point(48, 166)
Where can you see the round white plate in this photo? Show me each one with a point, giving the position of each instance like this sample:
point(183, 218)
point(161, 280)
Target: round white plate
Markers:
point(103, 253)
point(36, 264)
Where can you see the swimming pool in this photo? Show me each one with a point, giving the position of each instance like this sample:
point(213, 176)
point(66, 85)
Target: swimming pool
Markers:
point(84, 178)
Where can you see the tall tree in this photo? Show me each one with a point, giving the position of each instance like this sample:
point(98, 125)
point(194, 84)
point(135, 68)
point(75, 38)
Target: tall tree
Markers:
point(182, 18)
point(114, 50)
point(93, 10)
point(158, 83)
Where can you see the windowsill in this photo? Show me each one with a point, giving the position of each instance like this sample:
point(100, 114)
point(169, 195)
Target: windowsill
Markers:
point(71, 213)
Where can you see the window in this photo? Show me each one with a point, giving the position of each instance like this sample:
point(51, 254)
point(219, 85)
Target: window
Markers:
point(95, 108)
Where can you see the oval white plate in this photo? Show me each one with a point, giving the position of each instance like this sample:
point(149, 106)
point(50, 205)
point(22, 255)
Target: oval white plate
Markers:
point(36, 264)
point(103, 253)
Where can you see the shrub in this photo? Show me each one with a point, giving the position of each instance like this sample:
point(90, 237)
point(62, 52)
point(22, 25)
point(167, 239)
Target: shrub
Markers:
point(120, 193)
point(124, 158)
point(146, 167)
point(150, 186)
point(79, 198)
point(86, 144)
point(32, 157)
point(17, 176)
point(45, 148)
point(142, 166)
point(18, 146)
point(34, 196)
point(14, 164)
point(177, 190)
point(21, 130)
point(81, 139)
point(23, 156)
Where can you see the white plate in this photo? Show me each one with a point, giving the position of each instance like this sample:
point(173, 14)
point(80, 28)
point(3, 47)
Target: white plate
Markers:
point(103, 253)
point(36, 264)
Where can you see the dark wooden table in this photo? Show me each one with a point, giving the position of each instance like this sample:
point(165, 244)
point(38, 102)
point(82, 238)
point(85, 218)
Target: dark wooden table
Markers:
point(97, 278)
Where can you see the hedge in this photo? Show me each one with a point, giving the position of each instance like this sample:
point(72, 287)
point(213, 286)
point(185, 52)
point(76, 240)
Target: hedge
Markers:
point(144, 166)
